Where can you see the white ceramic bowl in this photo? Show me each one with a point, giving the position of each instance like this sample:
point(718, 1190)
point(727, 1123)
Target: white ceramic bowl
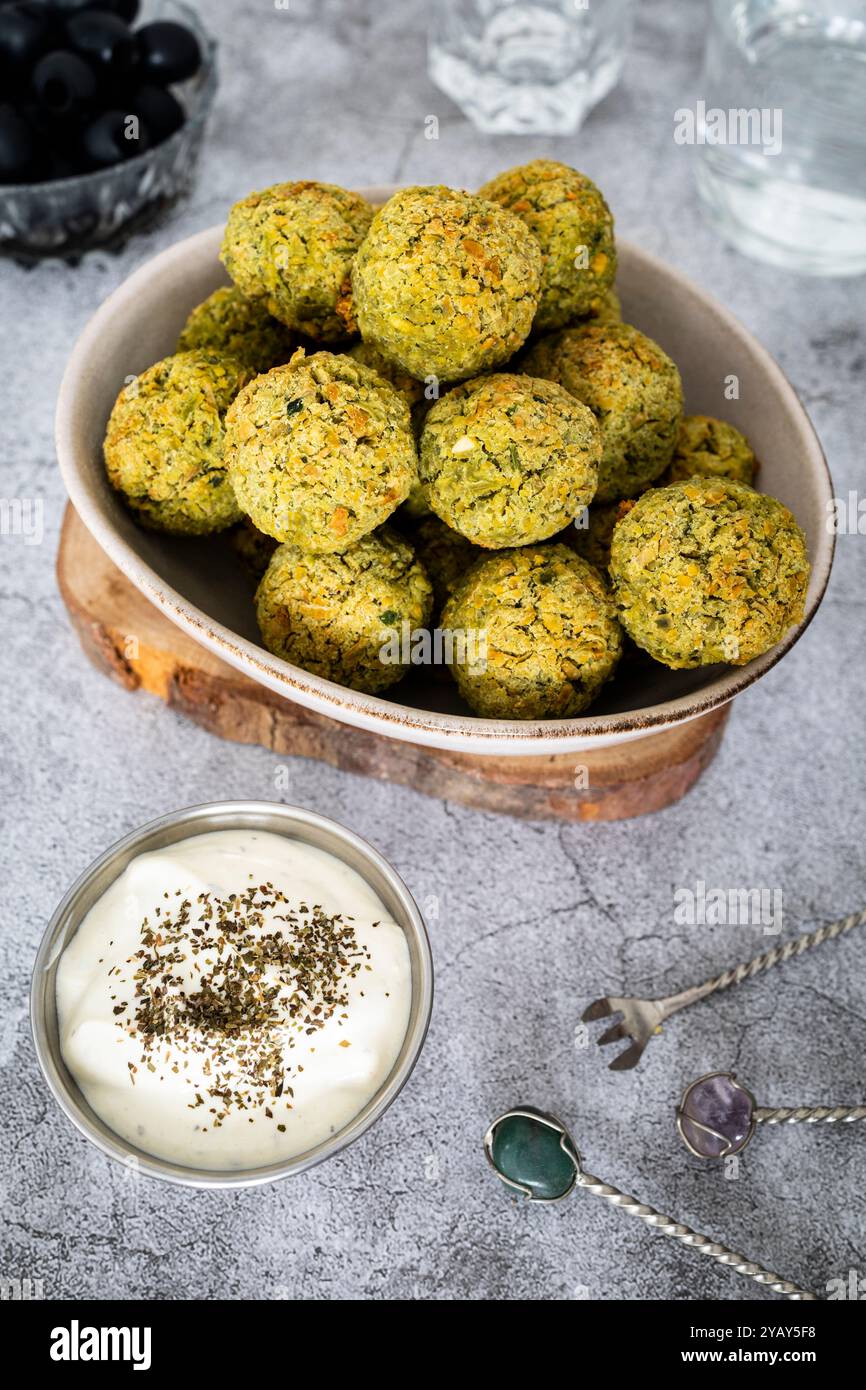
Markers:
point(199, 585)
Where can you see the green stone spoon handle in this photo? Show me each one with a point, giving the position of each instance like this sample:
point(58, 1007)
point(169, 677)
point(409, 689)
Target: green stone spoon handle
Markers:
point(666, 1224)
point(533, 1154)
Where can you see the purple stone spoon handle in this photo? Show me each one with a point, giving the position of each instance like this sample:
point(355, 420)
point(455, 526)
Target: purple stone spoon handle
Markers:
point(717, 1115)
point(642, 1018)
point(810, 1114)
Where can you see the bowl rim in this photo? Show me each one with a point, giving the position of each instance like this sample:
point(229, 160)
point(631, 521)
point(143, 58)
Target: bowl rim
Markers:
point(457, 732)
point(277, 817)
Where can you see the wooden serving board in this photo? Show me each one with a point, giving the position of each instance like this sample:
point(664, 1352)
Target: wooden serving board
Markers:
point(128, 639)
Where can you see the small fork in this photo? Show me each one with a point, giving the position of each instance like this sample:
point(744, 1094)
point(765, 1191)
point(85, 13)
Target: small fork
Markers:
point(642, 1018)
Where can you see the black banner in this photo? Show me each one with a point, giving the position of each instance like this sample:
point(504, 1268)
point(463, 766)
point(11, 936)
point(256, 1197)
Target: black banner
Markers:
point(214, 1339)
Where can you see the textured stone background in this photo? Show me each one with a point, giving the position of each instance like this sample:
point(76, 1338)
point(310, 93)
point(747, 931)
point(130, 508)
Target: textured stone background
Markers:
point(534, 920)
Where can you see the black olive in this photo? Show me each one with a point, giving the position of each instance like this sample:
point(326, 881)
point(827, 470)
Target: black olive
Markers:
point(62, 8)
point(104, 41)
point(161, 112)
point(113, 137)
point(63, 164)
point(17, 146)
point(64, 84)
point(168, 52)
point(24, 35)
point(126, 9)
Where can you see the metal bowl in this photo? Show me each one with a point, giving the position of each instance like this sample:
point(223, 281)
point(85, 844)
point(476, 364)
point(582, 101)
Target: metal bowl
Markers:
point(66, 217)
point(297, 824)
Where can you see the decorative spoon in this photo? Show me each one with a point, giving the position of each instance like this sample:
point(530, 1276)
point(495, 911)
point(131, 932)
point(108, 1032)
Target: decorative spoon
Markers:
point(641, 1018)
point(533, 1153)
point(717, 1115)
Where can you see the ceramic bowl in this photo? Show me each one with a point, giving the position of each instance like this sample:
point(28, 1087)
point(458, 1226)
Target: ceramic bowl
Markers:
point(297, 824)
point(199, 585)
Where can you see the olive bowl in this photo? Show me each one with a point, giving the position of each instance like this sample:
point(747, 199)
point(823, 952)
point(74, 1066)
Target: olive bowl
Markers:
point(204, 591)
point(103, 208)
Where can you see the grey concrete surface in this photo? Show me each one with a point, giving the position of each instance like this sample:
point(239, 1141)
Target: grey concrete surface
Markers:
point(532, 920)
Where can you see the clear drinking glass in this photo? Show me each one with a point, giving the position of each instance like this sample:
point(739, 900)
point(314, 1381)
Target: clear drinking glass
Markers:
point(782, 136)
point(527, 66)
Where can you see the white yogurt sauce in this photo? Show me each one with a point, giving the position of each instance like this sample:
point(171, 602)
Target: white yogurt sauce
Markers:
point(143, 1016)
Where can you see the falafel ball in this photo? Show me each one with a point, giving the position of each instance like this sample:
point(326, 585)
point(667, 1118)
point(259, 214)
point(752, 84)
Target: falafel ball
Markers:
point(509, 460)
point(445, 283)
point(165, 443)
point(568, 215)
point(228, 322)
point(552, 636)
point(320, 452)
point(592, 538)
point(334, 614)
point(713, 449)
point(632, 388)
point(252, 547)
point(445, 555)
point(605, 309)
point(407, 385)
point(291, 246)
point(708, 570)
point(417, 504)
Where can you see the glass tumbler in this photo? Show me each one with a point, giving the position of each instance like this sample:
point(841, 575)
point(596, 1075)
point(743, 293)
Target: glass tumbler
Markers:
point(781, 131)
point(527, 66)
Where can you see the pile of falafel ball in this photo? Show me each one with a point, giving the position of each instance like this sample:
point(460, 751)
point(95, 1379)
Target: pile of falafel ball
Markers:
point(433, 414)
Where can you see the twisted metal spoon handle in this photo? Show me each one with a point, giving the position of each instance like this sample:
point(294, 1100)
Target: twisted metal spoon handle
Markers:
point(702, 1244)
point(776, 956)
point(810, 1114)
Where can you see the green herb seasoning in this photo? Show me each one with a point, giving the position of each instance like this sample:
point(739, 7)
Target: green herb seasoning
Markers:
point(260, 987)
